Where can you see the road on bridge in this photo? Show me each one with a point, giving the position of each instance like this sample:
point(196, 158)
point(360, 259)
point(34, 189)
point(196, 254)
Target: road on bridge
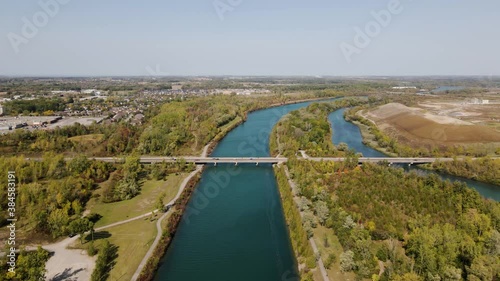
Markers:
point(274, 160)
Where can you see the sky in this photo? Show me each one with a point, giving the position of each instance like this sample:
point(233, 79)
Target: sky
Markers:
point(249, 37)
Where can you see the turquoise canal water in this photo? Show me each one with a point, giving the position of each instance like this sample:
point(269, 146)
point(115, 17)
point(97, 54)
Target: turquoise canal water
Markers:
point(350, 134)
point(234, 228)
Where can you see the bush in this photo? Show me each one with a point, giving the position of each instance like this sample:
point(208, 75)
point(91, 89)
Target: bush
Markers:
point(347, 261)
point(91, 249)
point(330, 260)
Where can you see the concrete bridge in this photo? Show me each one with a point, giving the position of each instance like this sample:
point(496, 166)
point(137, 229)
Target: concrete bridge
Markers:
point(390, 160)
point(271, 160)
point(201, 160)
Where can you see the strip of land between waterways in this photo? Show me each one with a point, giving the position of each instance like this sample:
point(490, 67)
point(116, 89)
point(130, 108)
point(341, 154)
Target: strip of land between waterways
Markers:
point(293, 187)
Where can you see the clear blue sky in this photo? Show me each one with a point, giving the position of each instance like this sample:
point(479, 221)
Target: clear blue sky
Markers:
point(258, 37)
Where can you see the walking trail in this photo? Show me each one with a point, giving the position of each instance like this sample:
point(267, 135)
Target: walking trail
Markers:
point(75, 265)
point(311, 240)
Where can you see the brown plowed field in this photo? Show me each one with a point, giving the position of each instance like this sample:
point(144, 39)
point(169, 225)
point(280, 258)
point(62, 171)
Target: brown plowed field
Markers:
point(424, 128)
point(413, 124)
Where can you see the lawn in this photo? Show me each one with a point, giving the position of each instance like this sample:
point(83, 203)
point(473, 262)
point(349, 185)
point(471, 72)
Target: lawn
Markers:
point(133, 240)
point(143, 203)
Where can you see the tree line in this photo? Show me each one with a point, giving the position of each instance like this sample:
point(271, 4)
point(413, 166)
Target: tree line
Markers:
point(40, 106)
point(298, 235)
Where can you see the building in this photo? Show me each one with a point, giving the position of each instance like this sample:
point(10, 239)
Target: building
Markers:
point(89, 91)
point(403, 88)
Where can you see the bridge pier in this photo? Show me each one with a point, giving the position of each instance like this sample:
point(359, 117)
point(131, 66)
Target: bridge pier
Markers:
point(256, 163)
point(235, 163)
point(215, 164)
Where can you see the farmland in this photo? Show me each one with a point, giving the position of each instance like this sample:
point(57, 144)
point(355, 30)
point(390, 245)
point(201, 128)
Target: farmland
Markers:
point(442, 124)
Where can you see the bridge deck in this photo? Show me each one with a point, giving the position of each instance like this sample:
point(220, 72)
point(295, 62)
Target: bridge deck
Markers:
point(272, 160)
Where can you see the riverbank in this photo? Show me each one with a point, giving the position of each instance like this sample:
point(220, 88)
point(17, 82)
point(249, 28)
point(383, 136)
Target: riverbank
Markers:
point(303, 250)
point(150, 263)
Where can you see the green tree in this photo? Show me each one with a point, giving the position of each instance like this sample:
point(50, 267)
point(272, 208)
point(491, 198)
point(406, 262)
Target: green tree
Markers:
point(80, 226)
point(104, 262)
point(31, 265)
point(322, 211)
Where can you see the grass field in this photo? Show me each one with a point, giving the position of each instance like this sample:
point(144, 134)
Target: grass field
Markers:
point(143, 203)
point(133, 240)
point(88, 139)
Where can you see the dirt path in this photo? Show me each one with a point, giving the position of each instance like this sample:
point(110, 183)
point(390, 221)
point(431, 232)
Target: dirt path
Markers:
point(321, 266)
point(205, 150)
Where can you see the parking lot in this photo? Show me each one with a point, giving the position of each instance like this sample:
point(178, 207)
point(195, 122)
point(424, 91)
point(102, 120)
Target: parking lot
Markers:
point(10, 124)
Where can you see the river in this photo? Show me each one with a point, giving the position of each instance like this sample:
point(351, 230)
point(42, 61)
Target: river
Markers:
point(351, 135)
point(233, 227)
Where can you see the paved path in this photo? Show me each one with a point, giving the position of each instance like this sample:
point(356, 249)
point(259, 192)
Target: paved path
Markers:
point(70, 264)
point(205, 150)
point(321, 266)
point(158, 224)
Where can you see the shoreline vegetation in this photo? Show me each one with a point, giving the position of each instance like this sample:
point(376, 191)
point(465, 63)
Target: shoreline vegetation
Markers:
point(483, 169)
point(298, 236)
point(392, 225)
point(168, 234)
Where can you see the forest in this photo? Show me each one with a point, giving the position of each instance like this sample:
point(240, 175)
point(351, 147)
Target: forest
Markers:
point(308, 129)
point(95, 140)
point(54, 191)
point(413, 224)
point(186, 127)
point(34, 106)
point(483, 169)
point(392, 225)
